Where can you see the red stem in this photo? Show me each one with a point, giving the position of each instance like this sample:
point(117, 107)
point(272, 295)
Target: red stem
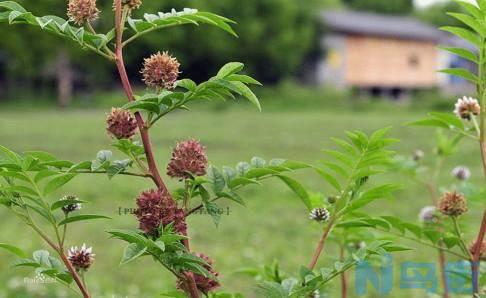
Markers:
point(192, 288)
point(320, 246)
point(442, 262)
point(344, 280)
point(477, 256)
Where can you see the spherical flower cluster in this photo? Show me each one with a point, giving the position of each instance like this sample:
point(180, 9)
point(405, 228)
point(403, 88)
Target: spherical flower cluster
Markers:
point(82, 11)
point(156, 208)
point(467, 107)
point(319, 214)
point(121, 124)
point(428, 215)
point(203, 283)
point(452, 204)
point(188, 158)
point(482, 249)
point(160, 71)
point(132, 4)
point(461, 173)
point(70, 207)
point(81, 258)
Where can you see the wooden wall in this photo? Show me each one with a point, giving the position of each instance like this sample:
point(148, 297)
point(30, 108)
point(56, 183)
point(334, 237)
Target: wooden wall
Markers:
point(388, 62)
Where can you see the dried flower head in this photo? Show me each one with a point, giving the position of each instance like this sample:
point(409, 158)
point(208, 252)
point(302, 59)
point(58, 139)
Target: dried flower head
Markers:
point(203, 283)
point(156, 208)
point(461, 173)
point(319, 214)
point(132, 4)
point(452, 204)
point(160, 71)
point(121, 124)
point(81, 258)
point(82, 11)
point(467, 107)
point(428, 215)
point(188, 158)
point(482, 249)
point(418, 155)
point(70, 207)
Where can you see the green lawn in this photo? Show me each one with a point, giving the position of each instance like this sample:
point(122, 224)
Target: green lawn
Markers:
point(274, 224)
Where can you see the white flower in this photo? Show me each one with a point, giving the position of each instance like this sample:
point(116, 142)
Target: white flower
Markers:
point(319, 214)
point(461, 173)
point(466, 107)
point(428, 214)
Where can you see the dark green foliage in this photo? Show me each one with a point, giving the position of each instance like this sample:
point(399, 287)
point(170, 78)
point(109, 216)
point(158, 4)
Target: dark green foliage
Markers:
point(388, 7)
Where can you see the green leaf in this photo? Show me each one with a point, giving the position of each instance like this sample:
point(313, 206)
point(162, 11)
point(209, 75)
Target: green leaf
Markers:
point(14, 249)
point(329, 178)
point(469, 21)
point(216, 179)
point(298, 189)
point(76, 218)
point(464, 34)
point(464, 53)
point(62, 203)
point(57, 182)
point(462, 73)
point(229, 69)
point(248, 94)
point(131, 252)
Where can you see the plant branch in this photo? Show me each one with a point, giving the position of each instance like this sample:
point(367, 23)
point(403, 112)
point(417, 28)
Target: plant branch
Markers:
point(476, 259)
point(320, 245)
point(120, 17)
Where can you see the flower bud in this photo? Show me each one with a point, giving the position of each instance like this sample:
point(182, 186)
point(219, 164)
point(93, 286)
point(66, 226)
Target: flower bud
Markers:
point(428, 215)
point(81, 258)
point(188, 158)
point(331, 199)
point(319, 214)
point(203, 283)
point(82, 11)
point(418, 155)
point(121, 124)
point(70, 207)
point(160, 71)
point(461, 173)
point(452, 204)
point(466, 108)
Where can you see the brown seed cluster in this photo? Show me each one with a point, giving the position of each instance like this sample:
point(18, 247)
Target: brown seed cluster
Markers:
point(467, 107)
point(188, 158)
point(452, 204)
point(121, 124)
point(156, 208)
point(482, 249)
point(82, 11)
point(132, 4)
point(160, 71)
point(203, 283)
point(81, 258)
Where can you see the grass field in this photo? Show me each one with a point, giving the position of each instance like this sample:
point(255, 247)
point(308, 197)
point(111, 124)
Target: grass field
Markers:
point(274, 224)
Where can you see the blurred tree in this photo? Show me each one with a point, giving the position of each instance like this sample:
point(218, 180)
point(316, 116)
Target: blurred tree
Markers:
point(436, 14)
point(399, 7)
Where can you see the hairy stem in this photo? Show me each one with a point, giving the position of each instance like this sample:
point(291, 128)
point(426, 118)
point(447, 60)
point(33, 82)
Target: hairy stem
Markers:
point(119, 25)
point(320, 245)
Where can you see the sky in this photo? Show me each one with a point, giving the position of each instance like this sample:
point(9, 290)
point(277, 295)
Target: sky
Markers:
point(422, 3)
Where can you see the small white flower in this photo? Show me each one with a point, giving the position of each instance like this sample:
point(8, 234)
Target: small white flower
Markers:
point(428, 214)
point(461, 173)
point(466, 107)
point(319, 214)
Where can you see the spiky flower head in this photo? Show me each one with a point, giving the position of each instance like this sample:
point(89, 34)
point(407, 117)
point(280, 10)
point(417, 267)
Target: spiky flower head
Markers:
point(452, 204)
point(70, 207)
point(188, 158)
point(81, 258)
point(160, 71)
point(418, 155)
point(121, 124)
point(204, 284)
point(156, 208)
point(467, 107)
point(482, 249)
point(319, 214)
point(461, 173)
point(82, 11)
point(428, 215)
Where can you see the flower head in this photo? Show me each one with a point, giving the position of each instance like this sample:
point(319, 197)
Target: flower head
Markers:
point(132, 4)
point(156, 208)
point(160, 71)
point(452, 204)
point(467, 107)
point(205, 284)
point(81, 258)
point(428, 215)
point(70, 207)
point(121, 124)
point(82, 11)
point(188, 158)
point(482, 249)
point(461, 173)
point(418, 155)
point(319, 214)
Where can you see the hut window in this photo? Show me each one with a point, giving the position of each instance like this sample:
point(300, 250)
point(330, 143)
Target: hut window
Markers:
point(413, 61)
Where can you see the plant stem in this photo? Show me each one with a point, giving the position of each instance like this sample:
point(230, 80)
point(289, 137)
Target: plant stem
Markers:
point(476, 258)
point(344, 281)
point(119, 25)
point(458, 232)
point(320, 245)
point(443, 275)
